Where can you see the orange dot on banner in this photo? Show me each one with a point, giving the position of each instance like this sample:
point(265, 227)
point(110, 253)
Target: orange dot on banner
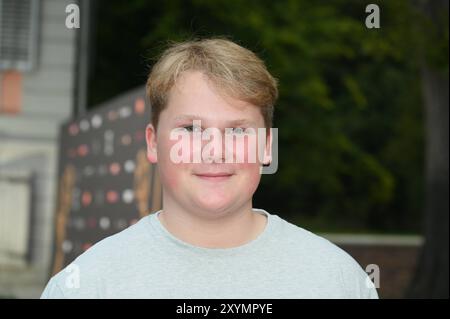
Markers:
point(112, 196)
point(83, 150)
point(114, 168)
point(112, 115)
point(86, 198)
point(126, 139)
point(139, 106)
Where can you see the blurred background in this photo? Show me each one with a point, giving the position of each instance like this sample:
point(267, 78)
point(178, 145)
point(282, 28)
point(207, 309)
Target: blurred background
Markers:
point(362, 120)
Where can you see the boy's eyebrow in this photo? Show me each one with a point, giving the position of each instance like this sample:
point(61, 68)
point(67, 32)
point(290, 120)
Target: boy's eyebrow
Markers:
point(187, 117)
point(196, 117)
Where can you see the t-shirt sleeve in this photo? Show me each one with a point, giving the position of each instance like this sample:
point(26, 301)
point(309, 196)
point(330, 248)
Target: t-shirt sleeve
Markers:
point(52, 291)
point(76, 281)
point(357, 282)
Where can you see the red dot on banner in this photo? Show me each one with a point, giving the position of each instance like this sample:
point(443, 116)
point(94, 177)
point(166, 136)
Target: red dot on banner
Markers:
point(73, 129)
point(112, 196)
point(112, 115)
point(92, 222)
point(139, 136)
point(114, 168)
point(139, 106)
point(86, 246)
point(86, 198)
point(83, 150)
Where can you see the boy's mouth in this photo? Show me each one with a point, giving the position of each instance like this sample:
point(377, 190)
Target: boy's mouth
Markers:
point(222, 176)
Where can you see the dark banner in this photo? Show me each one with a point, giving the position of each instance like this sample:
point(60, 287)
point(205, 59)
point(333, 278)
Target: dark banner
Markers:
point(105, 180)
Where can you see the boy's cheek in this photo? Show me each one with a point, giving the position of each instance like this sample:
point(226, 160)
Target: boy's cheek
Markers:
point(169, 171)
point(250, 172)
point(248, 152)
point(171, 174)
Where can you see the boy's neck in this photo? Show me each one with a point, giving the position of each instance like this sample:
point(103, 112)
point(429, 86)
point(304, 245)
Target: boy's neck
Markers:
point(232, 229)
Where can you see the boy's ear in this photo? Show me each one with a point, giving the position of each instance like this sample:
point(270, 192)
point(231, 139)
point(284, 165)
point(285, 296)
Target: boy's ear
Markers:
point(150, 136)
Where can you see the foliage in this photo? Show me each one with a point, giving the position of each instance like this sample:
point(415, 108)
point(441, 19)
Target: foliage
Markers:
point(350, 113)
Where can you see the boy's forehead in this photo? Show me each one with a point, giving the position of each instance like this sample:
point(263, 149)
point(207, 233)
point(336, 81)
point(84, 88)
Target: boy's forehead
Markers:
point(195, 89)
point(248, 115)
point(234, 120)
point(194, 97)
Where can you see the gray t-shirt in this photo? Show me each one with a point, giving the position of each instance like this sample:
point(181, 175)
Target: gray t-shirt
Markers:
point(146, 261)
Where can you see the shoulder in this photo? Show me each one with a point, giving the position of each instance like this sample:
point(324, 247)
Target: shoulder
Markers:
point(300, 240)
point(324, 260)
point(87, 274)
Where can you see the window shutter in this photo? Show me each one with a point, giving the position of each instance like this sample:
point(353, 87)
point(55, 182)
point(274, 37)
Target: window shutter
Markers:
point(19, 25)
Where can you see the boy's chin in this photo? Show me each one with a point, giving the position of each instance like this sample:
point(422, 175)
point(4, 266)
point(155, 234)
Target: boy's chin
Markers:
point(214, 208)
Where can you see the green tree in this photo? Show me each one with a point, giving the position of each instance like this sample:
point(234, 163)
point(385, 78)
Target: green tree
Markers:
point(350, 115)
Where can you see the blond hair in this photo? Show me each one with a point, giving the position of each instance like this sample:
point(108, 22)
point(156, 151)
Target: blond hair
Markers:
point(234, 70)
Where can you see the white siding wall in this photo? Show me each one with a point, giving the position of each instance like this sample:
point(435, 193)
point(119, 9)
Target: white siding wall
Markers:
point(29, 140)
point(15, 218)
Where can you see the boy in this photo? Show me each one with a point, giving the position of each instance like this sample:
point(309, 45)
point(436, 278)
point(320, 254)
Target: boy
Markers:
point(208, 241)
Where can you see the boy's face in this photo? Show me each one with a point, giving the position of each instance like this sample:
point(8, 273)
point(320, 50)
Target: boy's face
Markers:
point(207, 189)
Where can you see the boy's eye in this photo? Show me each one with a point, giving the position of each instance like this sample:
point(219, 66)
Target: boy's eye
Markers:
point(191, 128)
point(238, 130)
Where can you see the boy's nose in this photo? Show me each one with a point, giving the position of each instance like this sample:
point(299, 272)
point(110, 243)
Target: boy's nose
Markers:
point(214, 150)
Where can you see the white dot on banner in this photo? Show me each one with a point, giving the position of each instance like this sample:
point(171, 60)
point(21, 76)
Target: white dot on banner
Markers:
point(67, 246)
point(109, 135)
point(88, 171)
point(84, 125)
point(125, 112)
point(109, 150)
point(128, 196)
point(104, 223)
point(129, 166)
point(96, 121)
point(79, 223)
point(109, 142)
